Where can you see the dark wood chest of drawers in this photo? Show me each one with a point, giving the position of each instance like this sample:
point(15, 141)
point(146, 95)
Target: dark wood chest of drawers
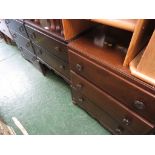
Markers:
point(108, 91)
point(51, 50)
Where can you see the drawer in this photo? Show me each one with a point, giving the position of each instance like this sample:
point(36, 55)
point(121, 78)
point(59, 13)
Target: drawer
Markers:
point(59, 54)
point(101, 116)
point(58, 48)
point(136, 98)
point(32, 59)
point(22, 41)
point(114, 108)
point(16, 26)
point(27, 54)
point(53, 62)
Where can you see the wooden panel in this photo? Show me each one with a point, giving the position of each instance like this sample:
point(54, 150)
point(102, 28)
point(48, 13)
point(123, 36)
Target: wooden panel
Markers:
point(137, 41)
point(147, 63)
point(73, 27)
point(126, 24)
point(134, 71)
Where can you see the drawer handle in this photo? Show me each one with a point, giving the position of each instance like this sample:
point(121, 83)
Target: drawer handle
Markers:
point(79, 67)
point(28, 44)
point(14, 35)
point(79, 86)
point(33, 59)
point(139, 105)
point(80, 99)
point(20, 48)
point(57, 48)
point(126, 121)
point(62, 67)
point(7, 21)
point(21, 28)
point(119, 130)
point(33, 36)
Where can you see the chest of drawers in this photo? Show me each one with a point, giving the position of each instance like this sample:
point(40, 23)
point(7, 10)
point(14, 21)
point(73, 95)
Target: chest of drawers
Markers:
point(20, 36)
point(97, 75)
point(50, 49)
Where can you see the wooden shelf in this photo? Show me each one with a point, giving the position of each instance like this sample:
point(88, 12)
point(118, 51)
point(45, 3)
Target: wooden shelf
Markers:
point(143, 66)
point(126, 24)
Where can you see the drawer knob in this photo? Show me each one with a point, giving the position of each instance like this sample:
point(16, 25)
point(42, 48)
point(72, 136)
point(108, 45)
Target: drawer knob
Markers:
point(14, 35)
point(20, 48)
point(139, 105)
point(80, 99)
point(7, 21)
point(21, 28)
point(62, 67)
point(126, 121)
point(33, 59)
point(28, 44)
point(33, 36)
point(57, 48)
point(79, 86)
point(119, 131)
point(79, 67)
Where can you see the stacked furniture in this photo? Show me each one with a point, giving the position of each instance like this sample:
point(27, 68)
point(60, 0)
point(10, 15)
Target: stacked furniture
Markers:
point(93, 57)
point(20, 36)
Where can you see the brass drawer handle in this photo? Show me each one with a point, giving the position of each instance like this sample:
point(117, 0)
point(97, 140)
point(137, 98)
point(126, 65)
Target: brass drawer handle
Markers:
point(139, 105)
point(79, 86)
point(126, 121)
point(79, 67)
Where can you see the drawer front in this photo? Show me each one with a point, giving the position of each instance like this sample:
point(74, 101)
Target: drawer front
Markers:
point(52, 61)
point(101, 116)
point(32, 59)
point(4, 28)
point(122, 114)
point(56, 47)
point(134, 97)
point(16, 26)
point(22, 41)
point(27, 55)
point(63, 55)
